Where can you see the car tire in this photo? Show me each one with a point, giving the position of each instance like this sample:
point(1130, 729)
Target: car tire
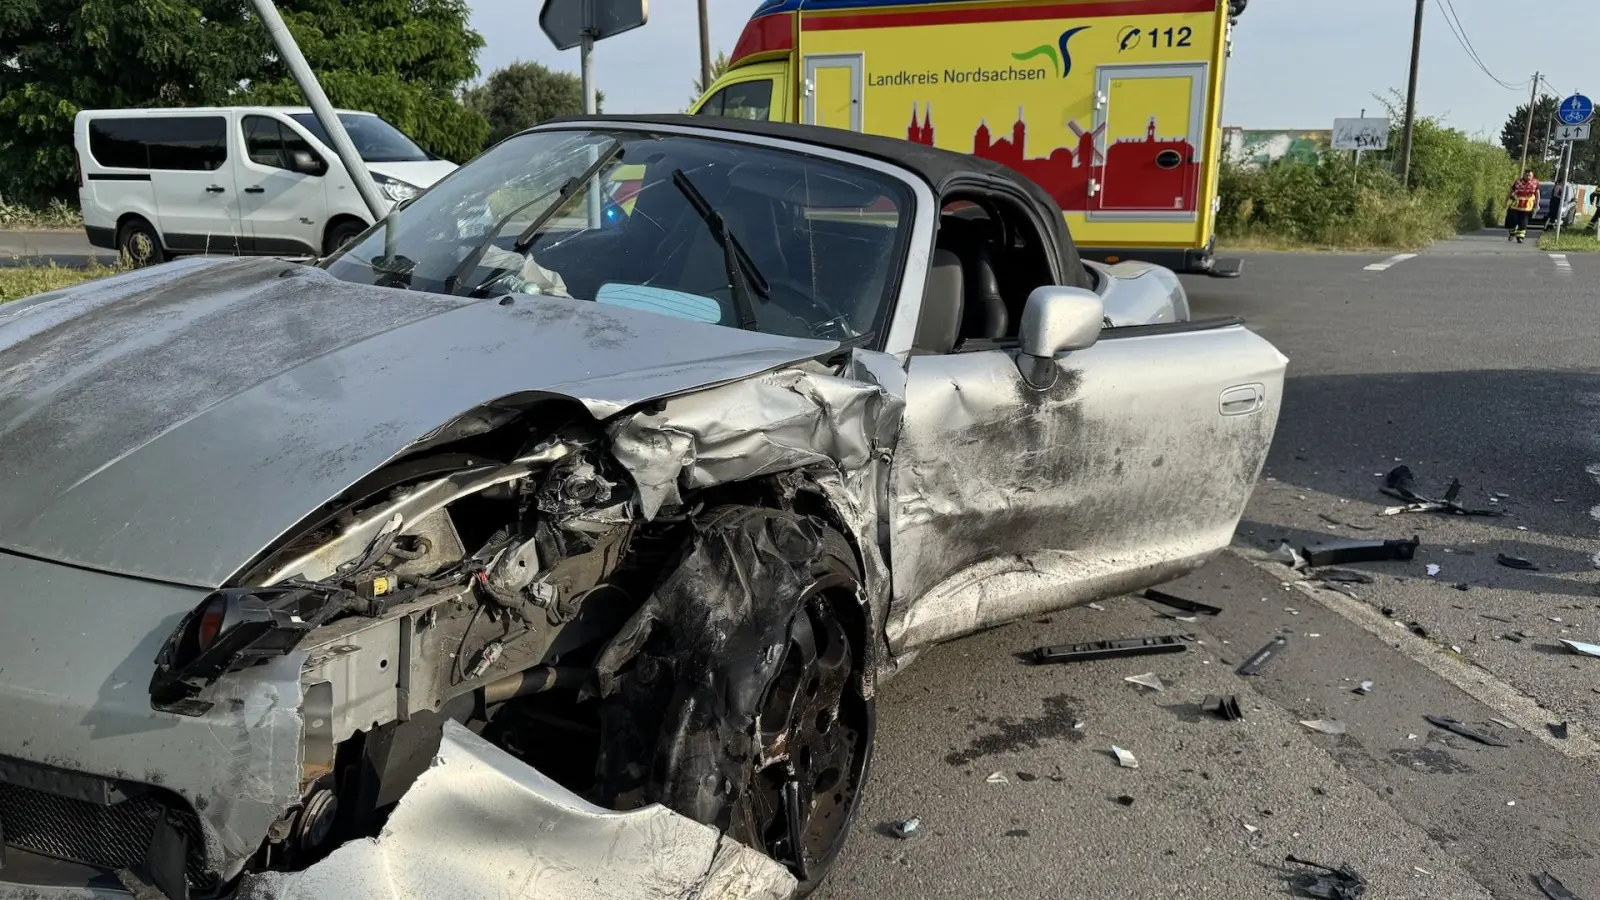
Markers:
point(341, 234)
point(138, 243)
point(815, 730)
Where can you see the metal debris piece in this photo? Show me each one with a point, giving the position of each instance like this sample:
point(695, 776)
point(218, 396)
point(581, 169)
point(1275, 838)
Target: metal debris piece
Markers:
point(1503, 723)
point(1332, 521)
point(1326, 726)
point(1223, 707)
point(1329, 884)
point(1553, 888)
point(1252, 666)
point(1364, 688)
point(1466, 731)
point(1148, 679)
point(1251, 828)
point(1558, 730)
point(1515, 562)
point(1096, 607)
point(1166, 643)
point(1079, 726)
point(1433, 569)
point(1176, 602)
point(1335, 553)
point(1420, 870)
point(1581, 647)
point(997, 778)
point(1288, 556)
point(1494, 618)
point(1515, 637)
point(1124, 758)
point(1342, 576)
point(1399, 484)
point(906, 829)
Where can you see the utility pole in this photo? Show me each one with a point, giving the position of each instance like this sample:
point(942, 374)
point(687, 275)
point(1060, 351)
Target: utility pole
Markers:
point(1527, 127)
point(705, 50)
point(1411, 98)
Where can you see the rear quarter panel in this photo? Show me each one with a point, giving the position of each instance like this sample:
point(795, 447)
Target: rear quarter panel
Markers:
point(107, 194)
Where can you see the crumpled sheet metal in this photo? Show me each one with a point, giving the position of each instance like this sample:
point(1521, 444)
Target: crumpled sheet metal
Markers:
point(787, 419)
point(481, 824)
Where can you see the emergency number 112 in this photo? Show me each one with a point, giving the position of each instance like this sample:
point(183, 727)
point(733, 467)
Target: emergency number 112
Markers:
point(1171, 37)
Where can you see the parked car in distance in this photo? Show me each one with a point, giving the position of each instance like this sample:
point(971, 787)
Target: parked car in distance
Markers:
point(1569, 204)
point(564, 526)
point(248, 180)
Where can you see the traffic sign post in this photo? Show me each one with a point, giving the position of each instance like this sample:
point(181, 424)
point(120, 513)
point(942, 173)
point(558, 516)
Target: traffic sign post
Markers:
point(1575, 110)
point(1574, 113)
point(1572, 132)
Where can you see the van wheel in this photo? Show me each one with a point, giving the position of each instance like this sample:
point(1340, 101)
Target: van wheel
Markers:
point(139, 244)
point(340, 235)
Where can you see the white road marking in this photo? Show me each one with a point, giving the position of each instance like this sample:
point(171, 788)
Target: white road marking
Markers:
point(1393, 260)
point(1563, 265)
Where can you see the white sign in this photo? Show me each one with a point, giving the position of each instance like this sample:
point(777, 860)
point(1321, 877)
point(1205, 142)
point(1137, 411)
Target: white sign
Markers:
point(1361, 134)
point(1572, 132)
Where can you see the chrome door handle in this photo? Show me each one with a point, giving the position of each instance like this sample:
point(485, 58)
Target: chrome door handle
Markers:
point(1242, 400)
point(255, 189)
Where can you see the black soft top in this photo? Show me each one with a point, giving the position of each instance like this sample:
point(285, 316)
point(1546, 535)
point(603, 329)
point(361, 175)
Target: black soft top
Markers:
point(941, 169)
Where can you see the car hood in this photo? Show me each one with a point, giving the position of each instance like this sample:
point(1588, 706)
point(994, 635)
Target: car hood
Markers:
point(170, 424)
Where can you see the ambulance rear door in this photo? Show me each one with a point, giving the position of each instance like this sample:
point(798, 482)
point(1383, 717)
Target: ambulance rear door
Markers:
point(1150, 126)
point(831, 90)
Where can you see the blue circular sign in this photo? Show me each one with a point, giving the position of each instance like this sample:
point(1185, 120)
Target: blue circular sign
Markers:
point(1575, 110)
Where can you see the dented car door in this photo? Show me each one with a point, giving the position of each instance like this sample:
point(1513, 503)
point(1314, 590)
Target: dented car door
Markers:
point(1131, 469)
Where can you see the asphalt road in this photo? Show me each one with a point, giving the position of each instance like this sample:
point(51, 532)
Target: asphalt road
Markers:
point(1476, 360)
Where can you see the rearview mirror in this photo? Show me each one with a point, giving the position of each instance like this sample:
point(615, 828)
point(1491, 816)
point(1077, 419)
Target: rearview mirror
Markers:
point(1056, 319)
point(306, 163)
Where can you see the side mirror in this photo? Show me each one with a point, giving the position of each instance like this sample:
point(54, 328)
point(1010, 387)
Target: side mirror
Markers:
point(306, 163)
point(1056, 319)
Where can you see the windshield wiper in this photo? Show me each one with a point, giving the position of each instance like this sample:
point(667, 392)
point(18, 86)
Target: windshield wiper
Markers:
point(565, 191)
point(743, 276)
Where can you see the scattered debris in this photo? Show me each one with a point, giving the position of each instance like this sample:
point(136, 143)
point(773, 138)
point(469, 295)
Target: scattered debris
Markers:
point(1558, 730)
point(1342, 576)
point(997, 778)
point(1148, 679)
point(1417, 629)
point(1335, 553)
point(1495, 618)
point(1515, 637)
point(1399, 483)
point(1096, 607)
point(1364, 688)
point(1332, 521)
point(1251, 828)
point(1330, 884)
point(1326, 726)
point(1515, 562)
point(1388, 611)
point(1453, 725)
point(1552, 887)
point(1288, 556)
point(1224, 707)
point(1503, 723)
point(1176, 602)
point(1291, 611)
point(908, 828)
point(1252, 666)
point(1124, 758)
point(1166, 643)
point(1433, 570)
point(1462, 586)
point(1125, 800)
point(1027, 776)
point(1581, 647)
point(1420, 870)
point(1079, 726)
point(1556, 619)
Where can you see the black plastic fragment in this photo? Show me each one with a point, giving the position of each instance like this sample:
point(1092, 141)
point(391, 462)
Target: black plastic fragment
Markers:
point(1553, 888)
point(1342, 883)
point(1147, 646)
point(1176, 602)
point(1343, 576)
point(1252, 666)
point(1466, 731)
point(1223, 707)
point(1400, 484)
point(1515, 562)
point(1558, 730)
point(1338, 553)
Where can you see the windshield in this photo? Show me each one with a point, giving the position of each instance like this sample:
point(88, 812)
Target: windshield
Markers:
point(708, 230)
point(376, 140)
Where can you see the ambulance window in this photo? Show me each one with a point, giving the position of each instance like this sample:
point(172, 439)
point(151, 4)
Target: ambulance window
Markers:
point(743, 100)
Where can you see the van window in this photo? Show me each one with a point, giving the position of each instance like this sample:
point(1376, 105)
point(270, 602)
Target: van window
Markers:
point(269, 142)
point(375, 140)
point(743, 100)
point(194, 143)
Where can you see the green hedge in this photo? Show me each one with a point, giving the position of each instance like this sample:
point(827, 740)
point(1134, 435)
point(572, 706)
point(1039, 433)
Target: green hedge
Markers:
point(1458, 184)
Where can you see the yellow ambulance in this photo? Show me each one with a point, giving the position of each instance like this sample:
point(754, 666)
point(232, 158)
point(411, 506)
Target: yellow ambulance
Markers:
point(1113, 106)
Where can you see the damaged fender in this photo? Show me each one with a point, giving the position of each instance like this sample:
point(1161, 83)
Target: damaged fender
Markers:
point(481, 824)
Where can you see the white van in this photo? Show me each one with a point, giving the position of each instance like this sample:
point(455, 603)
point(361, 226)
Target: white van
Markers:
point(234, 180)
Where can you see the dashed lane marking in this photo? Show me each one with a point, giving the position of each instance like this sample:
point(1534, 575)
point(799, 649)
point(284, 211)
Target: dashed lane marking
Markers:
point(1391, 261)
point(1563, 265)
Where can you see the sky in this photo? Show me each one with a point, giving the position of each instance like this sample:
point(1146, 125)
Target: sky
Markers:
point(1296, 63)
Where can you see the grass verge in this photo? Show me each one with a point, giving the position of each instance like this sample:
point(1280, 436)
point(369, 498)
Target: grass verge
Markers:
point(1573, 240)
point(58, 216)
point(25, 281)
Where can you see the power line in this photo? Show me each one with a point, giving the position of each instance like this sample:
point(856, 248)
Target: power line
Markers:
point(1448, 9)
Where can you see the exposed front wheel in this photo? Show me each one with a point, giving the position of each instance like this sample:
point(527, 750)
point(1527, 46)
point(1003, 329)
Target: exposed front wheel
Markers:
point(340, 235)
point(139, 244)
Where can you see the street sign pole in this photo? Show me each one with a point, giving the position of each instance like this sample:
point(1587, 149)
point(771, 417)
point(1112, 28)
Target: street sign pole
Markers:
point(1574, 113)
point(586, 62)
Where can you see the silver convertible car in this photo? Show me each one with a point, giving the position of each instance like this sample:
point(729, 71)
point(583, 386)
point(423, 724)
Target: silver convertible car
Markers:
point(554, 538)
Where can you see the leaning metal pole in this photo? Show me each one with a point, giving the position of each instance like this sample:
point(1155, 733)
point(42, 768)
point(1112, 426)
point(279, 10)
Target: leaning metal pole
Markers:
point(303, 76)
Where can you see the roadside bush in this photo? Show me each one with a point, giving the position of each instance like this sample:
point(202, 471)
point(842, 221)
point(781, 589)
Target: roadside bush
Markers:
point(56, 214)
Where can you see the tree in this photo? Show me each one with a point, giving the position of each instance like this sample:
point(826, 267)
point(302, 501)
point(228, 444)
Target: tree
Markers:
point(405, 60)
point(524, 94)
point(1544, 119)
point(718, 66)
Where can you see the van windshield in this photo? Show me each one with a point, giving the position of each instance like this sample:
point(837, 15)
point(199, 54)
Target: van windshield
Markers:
point(376, 140)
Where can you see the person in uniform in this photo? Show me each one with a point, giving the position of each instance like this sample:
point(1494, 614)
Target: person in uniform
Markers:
point(1524, 199)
